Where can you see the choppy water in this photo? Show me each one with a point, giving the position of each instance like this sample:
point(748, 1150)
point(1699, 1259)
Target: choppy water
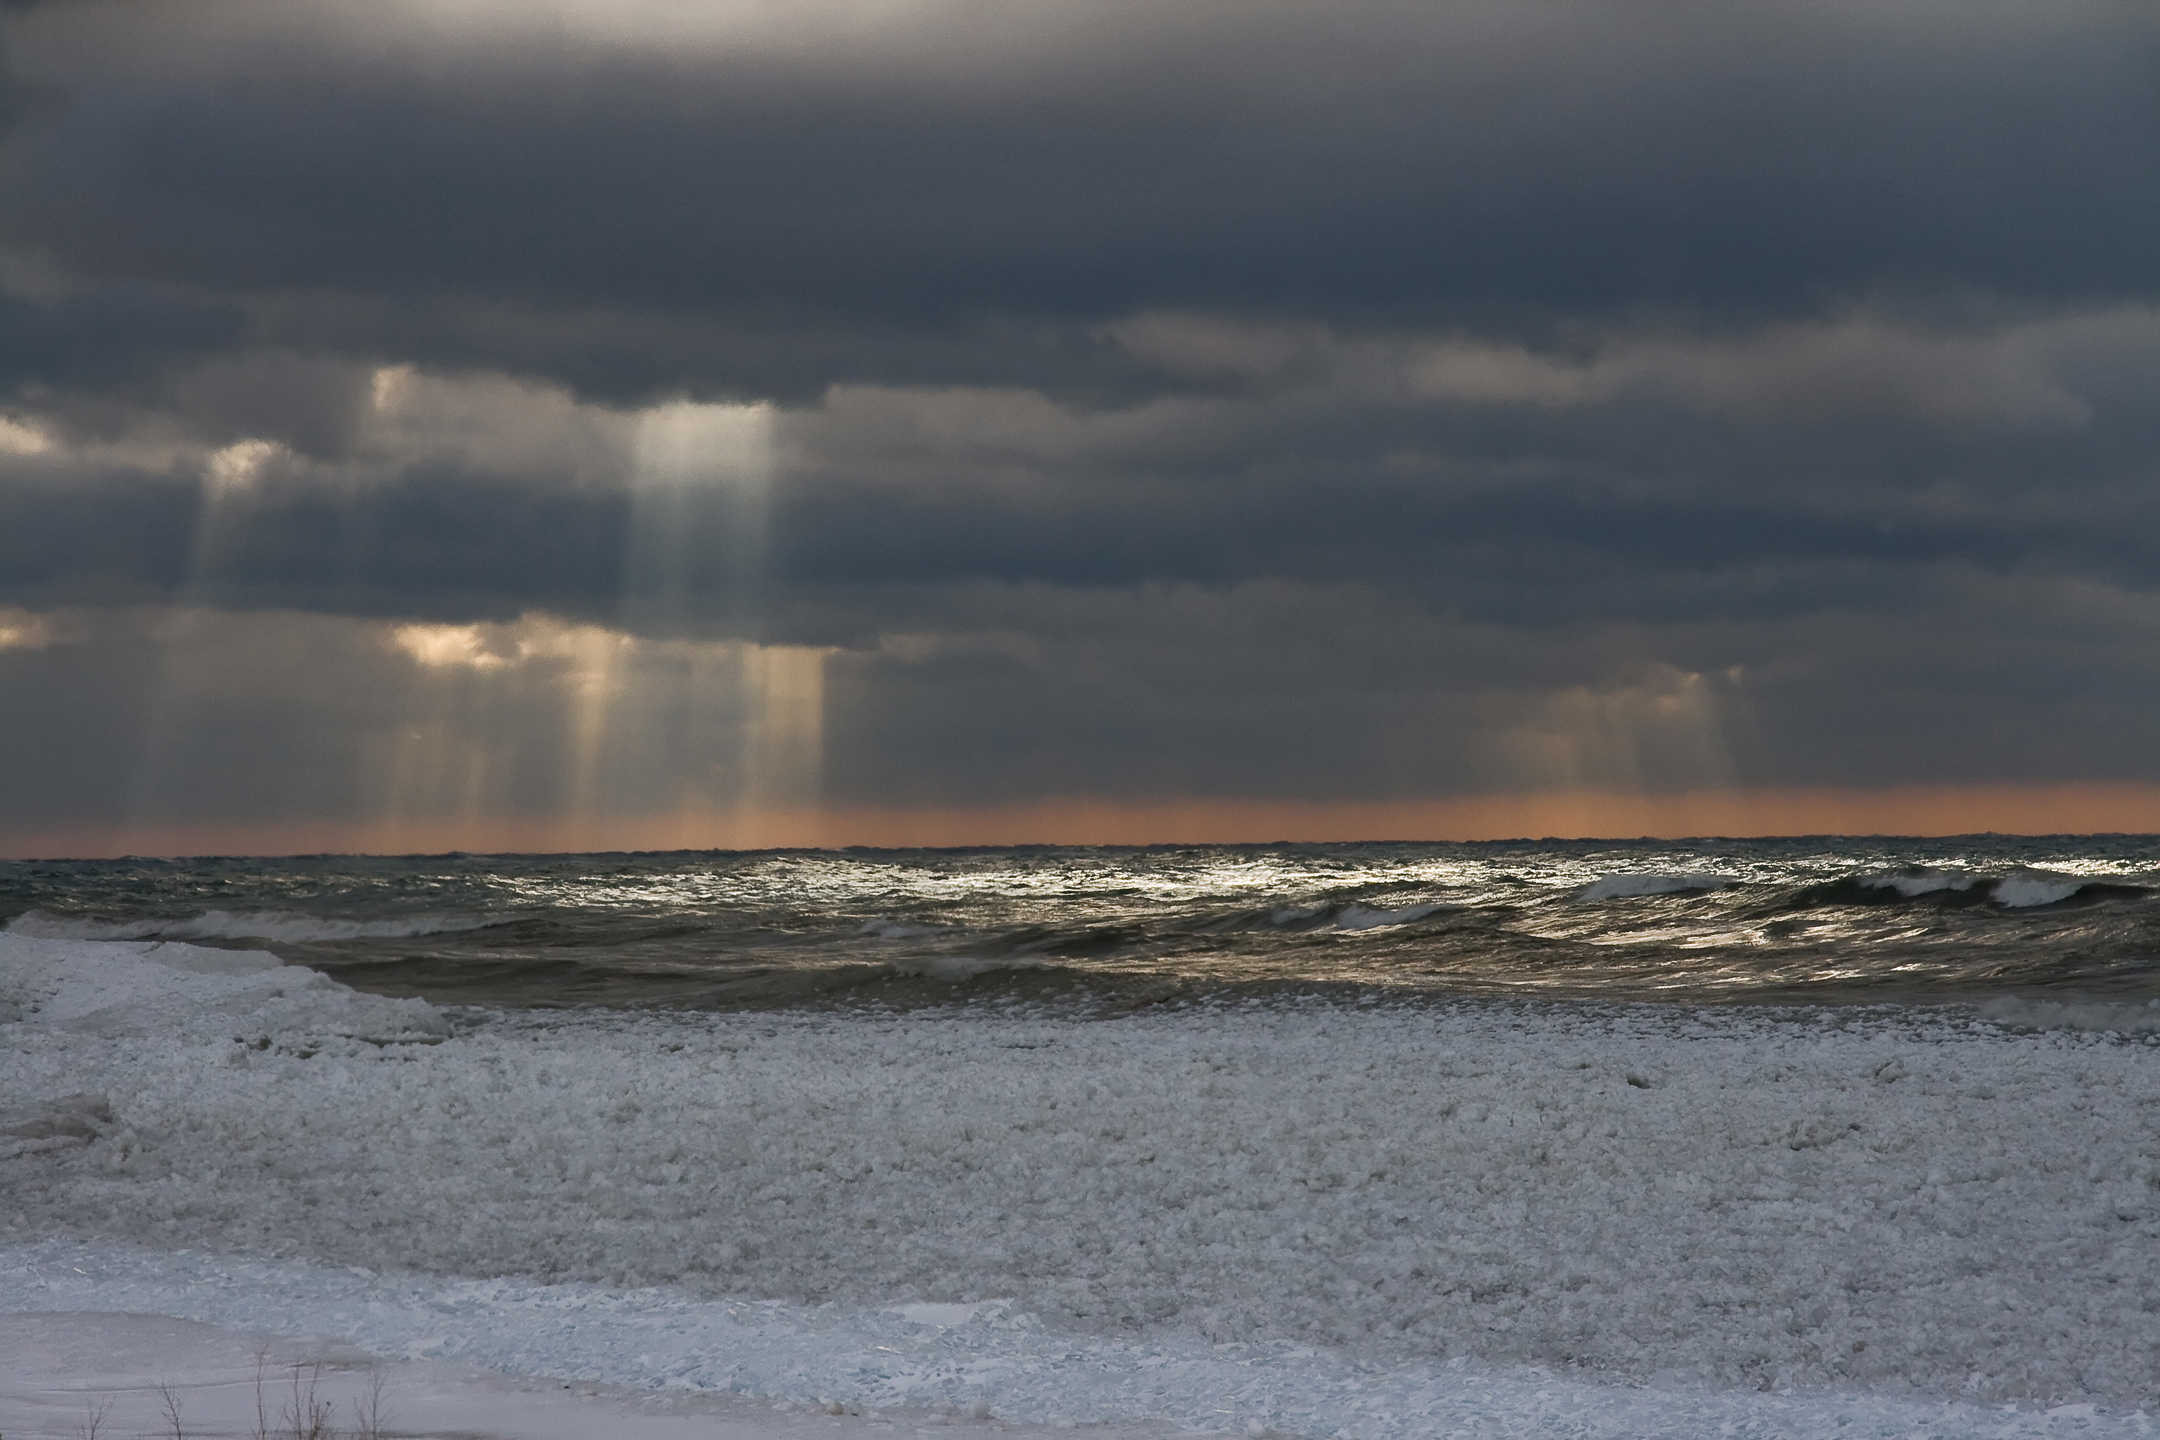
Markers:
point(1766, 921)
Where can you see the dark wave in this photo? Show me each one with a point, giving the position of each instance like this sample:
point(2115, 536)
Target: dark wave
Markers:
point(1921, 888)
point(1705, 922)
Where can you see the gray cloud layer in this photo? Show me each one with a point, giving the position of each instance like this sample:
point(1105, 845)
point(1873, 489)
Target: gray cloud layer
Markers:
point(1393, 400)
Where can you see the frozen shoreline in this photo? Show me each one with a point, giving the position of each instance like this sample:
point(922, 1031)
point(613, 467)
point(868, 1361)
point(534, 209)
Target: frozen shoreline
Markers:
point(66, 1367)
point(1716, 1203)
point(537, 1362)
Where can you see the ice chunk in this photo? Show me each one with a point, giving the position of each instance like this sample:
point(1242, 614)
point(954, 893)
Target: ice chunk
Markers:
point(950, 1316)
point(52, 1124)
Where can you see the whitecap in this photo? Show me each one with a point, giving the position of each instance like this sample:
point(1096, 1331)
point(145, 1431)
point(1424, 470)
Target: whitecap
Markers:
point(2034, 887)
point(1623, 887)
point(958, 967)
point(1358, 917)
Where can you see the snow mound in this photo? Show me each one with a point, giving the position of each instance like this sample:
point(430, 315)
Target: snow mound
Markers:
point(656, 1364)
point(189, 993)
point(1837, 1199)
point(1625, 887)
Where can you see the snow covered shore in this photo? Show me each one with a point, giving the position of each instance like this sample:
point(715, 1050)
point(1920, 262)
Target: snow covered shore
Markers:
point(1672, 1213)
point(878, 1372)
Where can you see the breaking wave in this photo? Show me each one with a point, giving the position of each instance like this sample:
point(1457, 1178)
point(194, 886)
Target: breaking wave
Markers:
point(2018, 889)
point(1776, 922)
point(1620, 887)
point(1343, 915)
point(1359, 917)
point(289, 927)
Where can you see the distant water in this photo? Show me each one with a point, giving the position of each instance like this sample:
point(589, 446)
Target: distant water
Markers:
point(2052, 922)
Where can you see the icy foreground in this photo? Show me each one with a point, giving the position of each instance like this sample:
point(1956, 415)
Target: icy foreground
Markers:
point(890, 1365)
point(1885, 1212)
point(65, 1369)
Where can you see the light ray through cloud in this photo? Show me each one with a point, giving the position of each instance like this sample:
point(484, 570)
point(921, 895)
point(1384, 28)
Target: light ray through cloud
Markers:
point(710, 733)
point(227, 493)
point(700, 486)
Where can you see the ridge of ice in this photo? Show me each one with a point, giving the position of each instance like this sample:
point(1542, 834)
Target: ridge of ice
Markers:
point(192, 993)
point(2112, 1017)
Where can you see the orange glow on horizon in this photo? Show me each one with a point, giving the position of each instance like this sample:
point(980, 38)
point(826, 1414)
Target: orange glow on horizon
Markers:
point(1909, 810)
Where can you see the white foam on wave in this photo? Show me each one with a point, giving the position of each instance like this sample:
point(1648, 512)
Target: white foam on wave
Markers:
point(279, 925)
point(1914, 883)
point(170, 990)
point(1624, 887)
point(959, 967)
point(1359, 917)
point(1352, 916)
point(2021, 889)
point(2028, 888)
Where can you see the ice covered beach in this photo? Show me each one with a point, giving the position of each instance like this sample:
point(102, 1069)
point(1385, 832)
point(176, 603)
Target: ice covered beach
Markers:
point(1316, 1219)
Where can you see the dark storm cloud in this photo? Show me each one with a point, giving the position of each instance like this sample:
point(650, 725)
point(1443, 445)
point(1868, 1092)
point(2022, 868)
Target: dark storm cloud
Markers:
point(1396, 400)
point(111, 335)
point(1336, 691)
point(1397, 170)
point(1530, 519)
point(430, 543)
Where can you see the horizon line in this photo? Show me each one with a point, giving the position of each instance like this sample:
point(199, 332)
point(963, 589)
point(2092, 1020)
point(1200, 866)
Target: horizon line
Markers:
point(1904, 812)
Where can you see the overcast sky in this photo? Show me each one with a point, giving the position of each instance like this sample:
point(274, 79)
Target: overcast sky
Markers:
point(503, 423)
